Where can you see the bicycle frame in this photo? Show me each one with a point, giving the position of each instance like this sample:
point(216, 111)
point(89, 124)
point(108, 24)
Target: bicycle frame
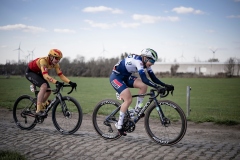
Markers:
point(140, 114)
point(58, 96)
point(63, 105)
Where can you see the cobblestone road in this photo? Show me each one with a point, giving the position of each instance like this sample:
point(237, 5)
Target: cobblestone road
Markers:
point(201, 142)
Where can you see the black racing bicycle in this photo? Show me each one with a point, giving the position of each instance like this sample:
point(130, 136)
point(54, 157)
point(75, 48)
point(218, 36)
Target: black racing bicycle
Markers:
point(164, 120)
point(66, 112)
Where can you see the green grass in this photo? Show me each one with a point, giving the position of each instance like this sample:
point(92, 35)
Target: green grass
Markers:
point(212, 99)
point(8, 155)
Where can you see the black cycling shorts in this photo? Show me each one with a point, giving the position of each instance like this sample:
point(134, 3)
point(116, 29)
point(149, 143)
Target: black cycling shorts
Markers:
point(35, 78)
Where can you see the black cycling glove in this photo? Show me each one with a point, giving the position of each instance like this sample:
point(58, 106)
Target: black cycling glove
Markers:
point(59, 84)
point(73, 84)
point(161, 90)
point(169, 87)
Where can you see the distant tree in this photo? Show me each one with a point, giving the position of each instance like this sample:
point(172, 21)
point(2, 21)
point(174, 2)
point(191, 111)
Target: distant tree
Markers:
point(78, 66)
point(124, 55)
point(65, 66)
point(174, 69)
point(229, 66)
point(238, 65)
point(213, 60)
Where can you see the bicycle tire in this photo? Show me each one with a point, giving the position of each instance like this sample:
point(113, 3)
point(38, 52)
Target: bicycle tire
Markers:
point(174, 131)
point(106, 130)
point(72, 120)
point(24, 112)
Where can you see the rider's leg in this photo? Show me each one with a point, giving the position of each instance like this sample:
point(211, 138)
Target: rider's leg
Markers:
point(120, 86)
point(142, 90)
point(45, 97)
point(127, 97)
point(40, 97)
point(39, 81)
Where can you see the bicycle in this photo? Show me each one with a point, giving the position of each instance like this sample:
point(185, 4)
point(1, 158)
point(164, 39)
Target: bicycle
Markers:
point(66, 112)
point(164, 121)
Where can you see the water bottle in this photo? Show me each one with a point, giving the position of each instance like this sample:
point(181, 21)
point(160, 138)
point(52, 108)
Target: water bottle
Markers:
point(131, 112)
point(32, 88)
point(139, 108)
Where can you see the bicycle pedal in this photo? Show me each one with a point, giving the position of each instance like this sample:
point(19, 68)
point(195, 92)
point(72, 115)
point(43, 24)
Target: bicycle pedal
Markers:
point(41, 114)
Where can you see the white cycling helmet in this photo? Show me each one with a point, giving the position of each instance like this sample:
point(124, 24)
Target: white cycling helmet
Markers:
point(150, 53)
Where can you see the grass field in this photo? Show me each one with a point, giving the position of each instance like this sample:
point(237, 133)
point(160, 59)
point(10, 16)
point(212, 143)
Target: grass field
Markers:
point(211, 99)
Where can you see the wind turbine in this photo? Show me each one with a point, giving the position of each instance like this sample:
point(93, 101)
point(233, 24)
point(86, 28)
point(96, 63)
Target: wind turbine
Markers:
point(27, 58)
point(182, 57)
point(32, 52)
point(214, 51)
point(19, 49)
point(103, 51)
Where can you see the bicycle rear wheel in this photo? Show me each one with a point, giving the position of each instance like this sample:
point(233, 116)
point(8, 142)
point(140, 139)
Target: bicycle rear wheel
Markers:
point(104, 126)
point(67, 116)
point(174, 127)
point(24, 110)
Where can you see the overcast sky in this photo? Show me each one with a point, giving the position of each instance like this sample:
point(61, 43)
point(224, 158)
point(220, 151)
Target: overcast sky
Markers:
point(182, 30)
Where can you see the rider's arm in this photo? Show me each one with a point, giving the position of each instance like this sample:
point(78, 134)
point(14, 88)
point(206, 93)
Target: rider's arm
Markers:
point(145, 79)
point(140, 68)
point(154, 78)
point(60, 74)
point(44, 70)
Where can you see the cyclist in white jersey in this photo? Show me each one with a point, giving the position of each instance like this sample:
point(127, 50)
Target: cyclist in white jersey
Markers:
point(121, 79)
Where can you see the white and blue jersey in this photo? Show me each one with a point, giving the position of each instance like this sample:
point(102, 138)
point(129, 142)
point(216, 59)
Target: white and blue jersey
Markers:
point(121, 77)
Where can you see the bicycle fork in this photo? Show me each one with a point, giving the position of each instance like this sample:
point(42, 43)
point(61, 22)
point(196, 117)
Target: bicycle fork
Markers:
point(66, 113)
point(164, 120)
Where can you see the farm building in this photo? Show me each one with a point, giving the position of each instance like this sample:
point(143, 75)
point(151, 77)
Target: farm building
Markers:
point(204, 68)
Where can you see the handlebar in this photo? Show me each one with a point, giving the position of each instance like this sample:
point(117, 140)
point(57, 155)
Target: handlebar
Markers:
point(57, 90)
point(152, 92)
point(153, 95)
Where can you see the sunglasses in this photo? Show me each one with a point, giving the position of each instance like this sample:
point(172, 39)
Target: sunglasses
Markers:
point(57, 58)
point(151, 60)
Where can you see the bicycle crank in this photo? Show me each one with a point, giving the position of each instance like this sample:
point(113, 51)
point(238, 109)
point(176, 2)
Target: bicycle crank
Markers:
point(40, 119)
point(129, 126)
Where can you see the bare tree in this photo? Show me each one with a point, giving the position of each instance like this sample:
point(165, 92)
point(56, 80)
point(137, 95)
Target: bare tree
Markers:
point(124, 55)
point(238, 65)
point(229, 67)
point(174, 69)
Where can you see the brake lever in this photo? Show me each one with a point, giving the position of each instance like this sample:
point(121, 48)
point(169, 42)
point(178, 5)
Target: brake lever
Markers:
point(72, 90)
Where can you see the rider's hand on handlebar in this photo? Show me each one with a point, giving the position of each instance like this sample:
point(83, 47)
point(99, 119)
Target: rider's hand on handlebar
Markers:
point(59, 84)
point(169, 87)
point(161, 90)
point(73, 84)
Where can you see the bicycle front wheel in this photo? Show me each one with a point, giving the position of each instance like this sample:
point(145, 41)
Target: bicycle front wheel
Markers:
point(67, 115)
point(24, 110)
point(102, 121)
point(172, 129)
